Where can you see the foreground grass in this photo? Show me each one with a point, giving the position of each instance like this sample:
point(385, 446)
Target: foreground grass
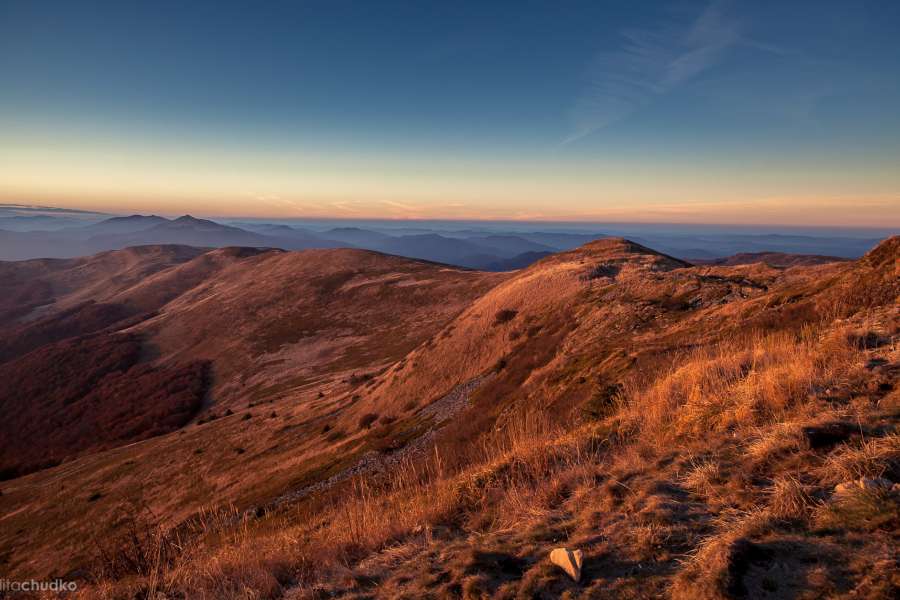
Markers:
point(712, 479)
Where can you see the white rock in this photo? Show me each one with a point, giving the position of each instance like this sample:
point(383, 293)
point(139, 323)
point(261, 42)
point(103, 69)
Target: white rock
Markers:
point(569, 561)
point(865, 484)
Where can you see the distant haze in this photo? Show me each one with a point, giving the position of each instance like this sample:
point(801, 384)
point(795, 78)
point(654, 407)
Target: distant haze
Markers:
point(46, 232)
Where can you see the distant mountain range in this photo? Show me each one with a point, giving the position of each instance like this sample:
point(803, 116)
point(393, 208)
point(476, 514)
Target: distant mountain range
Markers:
point(39, 232)
point(23, 217)
point(483, 252)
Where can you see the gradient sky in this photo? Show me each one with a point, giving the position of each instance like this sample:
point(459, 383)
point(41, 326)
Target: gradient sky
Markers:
point(722, 112)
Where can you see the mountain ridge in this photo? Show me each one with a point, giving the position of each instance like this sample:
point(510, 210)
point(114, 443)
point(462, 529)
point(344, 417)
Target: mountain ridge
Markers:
point(324, 359)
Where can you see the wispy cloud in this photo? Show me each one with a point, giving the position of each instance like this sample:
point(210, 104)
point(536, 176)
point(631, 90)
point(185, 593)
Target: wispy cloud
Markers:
point(651, 63)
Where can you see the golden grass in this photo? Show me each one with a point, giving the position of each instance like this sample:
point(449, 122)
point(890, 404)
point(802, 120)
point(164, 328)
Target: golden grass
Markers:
point(753, 394)
point(740, 384)
point(702, 477)
point(869, 458)
point(789, 498)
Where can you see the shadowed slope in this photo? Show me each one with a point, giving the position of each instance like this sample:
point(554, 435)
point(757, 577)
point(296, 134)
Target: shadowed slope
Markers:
point(291, 330)
point(775, 259)
point(275, 321)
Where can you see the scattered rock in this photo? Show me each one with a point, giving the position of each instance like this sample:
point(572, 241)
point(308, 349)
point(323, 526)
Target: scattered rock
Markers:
point(569, 561)
point(865, 484)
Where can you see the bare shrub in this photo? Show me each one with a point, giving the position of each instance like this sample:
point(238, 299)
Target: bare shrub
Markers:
point(143, 547)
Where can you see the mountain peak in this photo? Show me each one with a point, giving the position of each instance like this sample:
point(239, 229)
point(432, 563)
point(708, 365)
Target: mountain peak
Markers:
point(623, 250)
point(191, 221)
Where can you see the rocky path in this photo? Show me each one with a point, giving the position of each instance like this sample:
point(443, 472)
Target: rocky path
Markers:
point(439, 412)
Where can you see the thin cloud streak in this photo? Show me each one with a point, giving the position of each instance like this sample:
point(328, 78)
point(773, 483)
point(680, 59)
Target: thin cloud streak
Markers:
point(651, 63)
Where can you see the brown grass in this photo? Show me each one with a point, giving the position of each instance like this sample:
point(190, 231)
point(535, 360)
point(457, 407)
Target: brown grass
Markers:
point(874, 457)
point(742, 383)
point(705, 475)
point(789, 498)
point(751, 397)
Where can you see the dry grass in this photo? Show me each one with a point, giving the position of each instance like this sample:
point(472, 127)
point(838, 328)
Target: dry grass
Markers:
point(712, 570)
point(698, 481)
point(872, 457)
point(752, 395)
point(767, 442)
point(247, 559)
point(741, 384)
point(789, 498)
point(702, 477)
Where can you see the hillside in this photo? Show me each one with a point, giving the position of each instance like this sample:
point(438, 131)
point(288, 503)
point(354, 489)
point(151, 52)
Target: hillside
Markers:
point(132, 344)
point(390, 428)
point(774, 259)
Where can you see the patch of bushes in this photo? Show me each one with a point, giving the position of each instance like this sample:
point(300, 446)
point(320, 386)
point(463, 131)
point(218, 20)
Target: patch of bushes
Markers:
point(505, 316)
point(602, 270)
point(80, 320)
point(356, 379)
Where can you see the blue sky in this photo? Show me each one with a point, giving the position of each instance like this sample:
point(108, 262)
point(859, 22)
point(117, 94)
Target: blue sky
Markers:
point(724, 111)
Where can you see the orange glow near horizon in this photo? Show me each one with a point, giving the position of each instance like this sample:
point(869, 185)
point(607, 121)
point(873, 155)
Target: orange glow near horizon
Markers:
point(227, 181)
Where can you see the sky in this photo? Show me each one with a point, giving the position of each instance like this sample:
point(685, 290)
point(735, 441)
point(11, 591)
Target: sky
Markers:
point(684, 112)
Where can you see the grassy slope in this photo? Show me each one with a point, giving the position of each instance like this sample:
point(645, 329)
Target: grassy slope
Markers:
point(684, 426)
point(293, 334)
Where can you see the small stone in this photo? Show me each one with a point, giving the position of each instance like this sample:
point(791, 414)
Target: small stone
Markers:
point(569, 561)
point(864, 484)
point(879, 483)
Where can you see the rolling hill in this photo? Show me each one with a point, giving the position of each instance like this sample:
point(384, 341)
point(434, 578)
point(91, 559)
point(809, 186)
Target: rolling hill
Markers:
point(685, 425)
